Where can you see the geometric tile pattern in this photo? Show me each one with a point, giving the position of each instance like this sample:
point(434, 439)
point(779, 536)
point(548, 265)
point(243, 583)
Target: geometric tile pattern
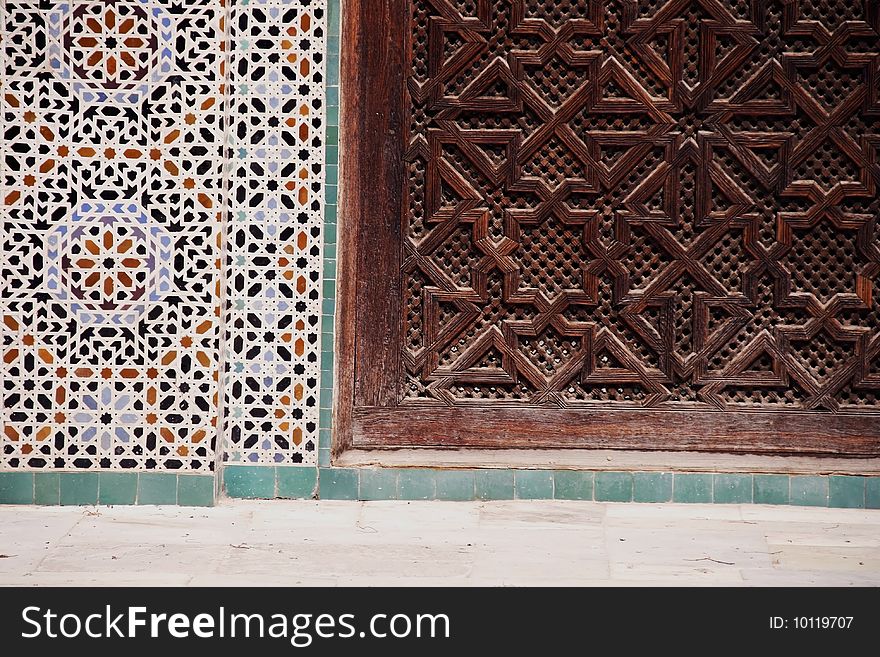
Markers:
point(112, 200)
point(111, 50)
point(274, 232)
point(109, 262)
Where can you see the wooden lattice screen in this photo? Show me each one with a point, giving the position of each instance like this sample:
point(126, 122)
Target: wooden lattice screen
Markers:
point(634, 224)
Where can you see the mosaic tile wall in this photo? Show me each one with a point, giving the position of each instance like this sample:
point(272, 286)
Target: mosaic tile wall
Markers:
point(134, 135)
point(113, 122)
point(133, 132)
point(276, 151)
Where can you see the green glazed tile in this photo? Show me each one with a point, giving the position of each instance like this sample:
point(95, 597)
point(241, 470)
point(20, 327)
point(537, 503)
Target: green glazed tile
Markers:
point(494, 484)
point(195, 490)
point(117, 487)
point(16, 487)
point(416, 484)
point(533, 484)
point(296, 482)
point(732, 489)
point(324, 458)
point(809, 490)
point(337, 484)
point(457, 485)
point(872, 493)
point(157, 488)
point(846, 492)
point(572, 485)
point(47, 488)
point(614, 487)
point(692, 487)
point(326, 397)
point(770, 489)
point(79, 488)
point(330, 234)
point(249, 481)
point(652, 486)
point(378, 484)
point(333, 17)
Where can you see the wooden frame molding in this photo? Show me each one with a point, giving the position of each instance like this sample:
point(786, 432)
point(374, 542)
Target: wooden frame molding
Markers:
point(598, 460)
point(370, 411)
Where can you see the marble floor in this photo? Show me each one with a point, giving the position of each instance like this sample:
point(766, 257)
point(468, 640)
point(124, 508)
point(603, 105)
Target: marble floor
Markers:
point(519, 543)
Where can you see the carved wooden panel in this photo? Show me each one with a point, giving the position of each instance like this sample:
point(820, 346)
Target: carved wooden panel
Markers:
point(634, 205)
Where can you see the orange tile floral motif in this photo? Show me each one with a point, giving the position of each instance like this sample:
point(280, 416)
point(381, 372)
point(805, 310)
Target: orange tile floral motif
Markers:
point(112, 201)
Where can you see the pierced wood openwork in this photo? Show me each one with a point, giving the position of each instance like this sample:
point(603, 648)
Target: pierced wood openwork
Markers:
point(616, 223)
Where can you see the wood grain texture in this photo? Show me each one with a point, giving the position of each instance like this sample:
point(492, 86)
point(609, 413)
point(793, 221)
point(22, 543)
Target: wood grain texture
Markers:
point(506, 427)
point(374, 127)
point(350, 208)
point(567, 458)
point(625, 225)
point(370, 211)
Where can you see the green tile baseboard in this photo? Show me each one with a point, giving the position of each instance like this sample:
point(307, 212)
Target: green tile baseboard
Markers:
point(413, 484)
point(88, 487)
point(267, 482)
point(308, 482)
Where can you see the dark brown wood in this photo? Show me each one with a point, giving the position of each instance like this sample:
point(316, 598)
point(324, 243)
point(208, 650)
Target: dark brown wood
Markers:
point(374, 125)
point(507, 428)
point(630, 225)
point(351, 66)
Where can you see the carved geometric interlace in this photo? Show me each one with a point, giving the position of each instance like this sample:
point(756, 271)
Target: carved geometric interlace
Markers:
point(644, 203)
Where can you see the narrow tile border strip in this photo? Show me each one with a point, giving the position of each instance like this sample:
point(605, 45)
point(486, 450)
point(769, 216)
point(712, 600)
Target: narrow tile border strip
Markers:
point(90, 487)
point(286, 482)
point(368, 484)
point(261, 482)
point(331, 194)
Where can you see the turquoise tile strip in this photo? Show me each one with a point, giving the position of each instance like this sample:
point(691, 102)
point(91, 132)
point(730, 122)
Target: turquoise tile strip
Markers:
point(533, 484)
point(331, 198)
point(106, 488)
point(614, 486)
point(47, 488)
point(770, 489)
point(267, 482)
point(846, 492)
point(573, 485)
point(369, 484)
point(652, 487)
point(872, 492)
point(733, 489)
point(688, 487)
point(455, 485)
